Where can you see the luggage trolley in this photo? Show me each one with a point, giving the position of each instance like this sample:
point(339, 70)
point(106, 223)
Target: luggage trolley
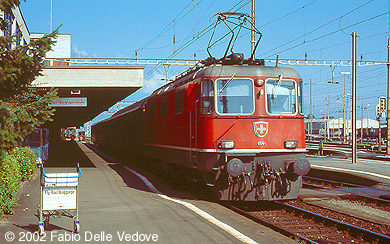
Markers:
point(59, 196)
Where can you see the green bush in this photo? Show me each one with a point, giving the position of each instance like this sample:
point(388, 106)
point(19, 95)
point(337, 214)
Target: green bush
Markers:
point(27, 162)
point(15, 167)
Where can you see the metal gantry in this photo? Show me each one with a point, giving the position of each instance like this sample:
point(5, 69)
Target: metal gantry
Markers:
point(332, 63)
point(123, 61)
point(193, 62)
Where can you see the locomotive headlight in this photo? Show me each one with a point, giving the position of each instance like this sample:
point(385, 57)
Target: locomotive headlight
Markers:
point(290, 144)
point(226, 144)
point(259, 82)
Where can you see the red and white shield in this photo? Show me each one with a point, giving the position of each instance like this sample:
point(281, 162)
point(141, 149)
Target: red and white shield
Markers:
point(261, 128)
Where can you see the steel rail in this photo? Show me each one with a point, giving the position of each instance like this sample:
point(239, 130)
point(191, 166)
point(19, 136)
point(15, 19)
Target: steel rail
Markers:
point(375, 199)
point(367, 234)
point(371, 235)
point(270, 225)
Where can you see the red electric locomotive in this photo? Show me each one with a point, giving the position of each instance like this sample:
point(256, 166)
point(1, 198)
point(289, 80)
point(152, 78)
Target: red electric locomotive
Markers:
point(239, 128)
point(233, 124)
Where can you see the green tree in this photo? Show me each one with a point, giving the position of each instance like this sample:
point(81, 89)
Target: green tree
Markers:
point(22, 108)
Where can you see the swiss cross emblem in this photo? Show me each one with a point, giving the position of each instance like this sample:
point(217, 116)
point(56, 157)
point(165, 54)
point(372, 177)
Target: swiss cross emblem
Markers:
point(261, 128)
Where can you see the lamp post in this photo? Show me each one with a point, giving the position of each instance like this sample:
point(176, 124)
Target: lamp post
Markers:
point(361, 121)
point(338, 119)
point(345, 109)
point(324, 122)
point(327, 121)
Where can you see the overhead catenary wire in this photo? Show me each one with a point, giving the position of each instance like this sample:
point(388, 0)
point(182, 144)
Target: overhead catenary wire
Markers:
point(191, 35)
point(170, 25)
point(288, 14)
point(195, 38)
point(316, 29)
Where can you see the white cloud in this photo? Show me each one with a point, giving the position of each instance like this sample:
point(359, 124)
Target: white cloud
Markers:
point(156, 81)
point(80, 53)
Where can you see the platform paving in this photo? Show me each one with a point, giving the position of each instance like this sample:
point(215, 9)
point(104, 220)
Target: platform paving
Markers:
point(376, 170)
point(116, 206)
point(372, 175)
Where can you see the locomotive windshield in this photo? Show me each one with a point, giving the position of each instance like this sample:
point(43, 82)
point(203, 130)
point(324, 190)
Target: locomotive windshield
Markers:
point(281, 96)
point(235, 96)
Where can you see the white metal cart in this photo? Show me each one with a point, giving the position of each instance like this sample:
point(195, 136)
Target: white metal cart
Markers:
point(59, 197)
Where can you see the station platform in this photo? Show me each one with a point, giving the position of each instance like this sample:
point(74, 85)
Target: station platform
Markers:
point(118, 204)
point(373, 174)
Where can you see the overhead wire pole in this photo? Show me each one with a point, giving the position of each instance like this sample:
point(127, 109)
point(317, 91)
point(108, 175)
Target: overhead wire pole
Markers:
point(354, 95)
point(388, 91)
point(253, 40)
point(311, 113)
point(51, 16)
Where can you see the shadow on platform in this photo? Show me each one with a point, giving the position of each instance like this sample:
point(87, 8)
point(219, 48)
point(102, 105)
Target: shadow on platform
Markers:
point(67, 154)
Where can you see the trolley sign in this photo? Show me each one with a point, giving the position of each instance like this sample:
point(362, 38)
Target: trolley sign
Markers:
point(59, 196)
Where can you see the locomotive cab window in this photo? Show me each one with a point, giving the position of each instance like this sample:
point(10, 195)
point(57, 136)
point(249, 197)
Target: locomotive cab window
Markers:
point(235, 96)
point(281, 97)
point(207, 97)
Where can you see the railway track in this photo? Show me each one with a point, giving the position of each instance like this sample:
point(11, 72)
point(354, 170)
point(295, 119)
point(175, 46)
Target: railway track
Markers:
point(317, 183)
point(305, 225)
point(343, 150)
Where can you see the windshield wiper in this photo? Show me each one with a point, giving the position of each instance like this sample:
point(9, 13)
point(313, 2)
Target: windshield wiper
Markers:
point(278, 84)
point(227, 83)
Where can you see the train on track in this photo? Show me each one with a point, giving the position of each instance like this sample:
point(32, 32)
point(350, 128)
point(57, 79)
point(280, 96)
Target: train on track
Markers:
point(233, 125)
point(230, 123)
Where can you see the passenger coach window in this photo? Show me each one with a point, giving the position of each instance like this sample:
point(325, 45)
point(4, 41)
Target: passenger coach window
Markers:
point(207, 97)
point(179, 102)
point(281, 96)
point(164, 107)
point(235, 96)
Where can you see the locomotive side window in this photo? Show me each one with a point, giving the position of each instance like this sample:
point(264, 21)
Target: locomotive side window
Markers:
point(300, 97)
point(235, 96)
point(207, 97)
point(179, 102)
point(151, 109)
point(164, 107)
point(281, 96)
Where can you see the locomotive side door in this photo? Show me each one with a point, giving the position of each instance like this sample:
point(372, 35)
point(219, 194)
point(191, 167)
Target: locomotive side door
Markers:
point(193, 101)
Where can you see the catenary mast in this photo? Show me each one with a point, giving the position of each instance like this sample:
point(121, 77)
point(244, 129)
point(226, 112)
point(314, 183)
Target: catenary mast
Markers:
point(253, 40)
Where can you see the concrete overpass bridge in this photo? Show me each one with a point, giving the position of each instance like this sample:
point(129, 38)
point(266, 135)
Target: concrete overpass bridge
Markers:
point(87, 87)
point(86, 91)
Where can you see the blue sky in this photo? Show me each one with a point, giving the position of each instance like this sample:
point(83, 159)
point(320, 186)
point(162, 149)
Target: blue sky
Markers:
point(321, 29)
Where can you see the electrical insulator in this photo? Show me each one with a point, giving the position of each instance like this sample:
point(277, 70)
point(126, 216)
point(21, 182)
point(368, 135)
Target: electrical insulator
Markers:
point(378, 111)
point(382, 103)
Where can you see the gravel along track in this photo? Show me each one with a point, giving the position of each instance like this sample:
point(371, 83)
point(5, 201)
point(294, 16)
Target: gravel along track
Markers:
point(352, 212)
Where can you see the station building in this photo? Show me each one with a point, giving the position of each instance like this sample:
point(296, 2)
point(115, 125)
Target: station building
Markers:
point(16, 26)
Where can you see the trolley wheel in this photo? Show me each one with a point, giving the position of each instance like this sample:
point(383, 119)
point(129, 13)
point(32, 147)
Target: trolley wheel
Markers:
point(76, 227)
point(46, 221)
point(41, 230)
